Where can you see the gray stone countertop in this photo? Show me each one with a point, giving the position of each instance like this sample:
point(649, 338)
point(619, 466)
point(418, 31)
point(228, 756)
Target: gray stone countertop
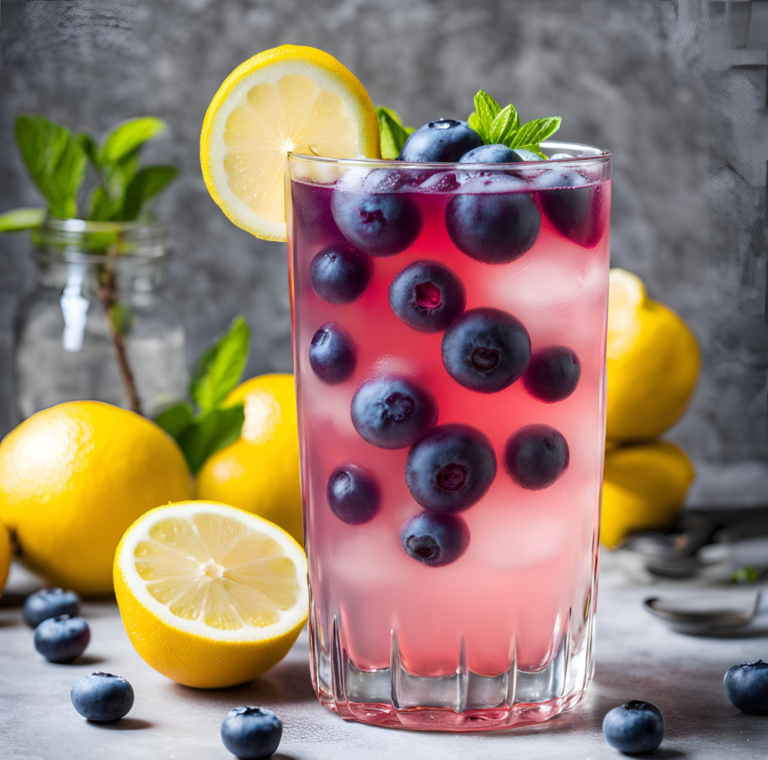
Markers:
point(637, 658)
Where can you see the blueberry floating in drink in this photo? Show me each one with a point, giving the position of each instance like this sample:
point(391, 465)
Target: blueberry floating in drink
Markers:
point(746, 685)
point(332, 354)
point(552, 374)
point(536, 456)
point(435, 539)
point(339, 274)
point(571, 203)
point(102, 697)
point(353, 494)
point(634, 728)
point(62, 638)
point(393, 412)
point(251, 733)
point(441, 140)
point(427, 296)
point(451, 468)
point(491, 154)
point(486, 350)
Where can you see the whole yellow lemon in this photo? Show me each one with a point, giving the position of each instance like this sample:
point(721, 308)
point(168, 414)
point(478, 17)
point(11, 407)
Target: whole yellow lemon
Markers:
point(652, 360)
point(5, 555)
point(260, 472)
point(74, 477)
point(644, 487)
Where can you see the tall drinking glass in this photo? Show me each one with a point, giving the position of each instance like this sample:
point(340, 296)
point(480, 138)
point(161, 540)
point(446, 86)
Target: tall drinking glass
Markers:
point(449, 327)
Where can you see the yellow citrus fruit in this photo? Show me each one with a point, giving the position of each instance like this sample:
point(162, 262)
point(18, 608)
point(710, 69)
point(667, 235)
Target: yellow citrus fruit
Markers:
point(5, 555)
point(653, 363)
point(74, 477)
point(644, 487)
point(260, 472)
point(210, 596)
point(287, 99)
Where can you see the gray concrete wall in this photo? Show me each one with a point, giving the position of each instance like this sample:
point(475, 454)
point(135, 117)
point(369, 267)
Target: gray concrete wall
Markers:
point(647, 79)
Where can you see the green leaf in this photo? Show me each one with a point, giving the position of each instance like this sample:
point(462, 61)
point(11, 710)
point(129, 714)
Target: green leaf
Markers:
point(535, 132)
point(746, 575)
point(21, 219)
point(108, 198)
point(128, 137)
point(394, 115)
point(486, 109)
point(55, 160)
point(474, 122)
point(91, 148)
point(393, 136)
point(176, 419)
point(220, 367)
point(146, 184)
point(122, 317)
point(504, 125)
point(209, 433)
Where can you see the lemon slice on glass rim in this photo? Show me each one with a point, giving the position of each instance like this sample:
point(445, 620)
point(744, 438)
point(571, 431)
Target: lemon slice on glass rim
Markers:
point(287, 99)
point(210, 596)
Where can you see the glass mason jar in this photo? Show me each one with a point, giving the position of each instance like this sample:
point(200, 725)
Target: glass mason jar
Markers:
point(98, 323)
point(449, 348)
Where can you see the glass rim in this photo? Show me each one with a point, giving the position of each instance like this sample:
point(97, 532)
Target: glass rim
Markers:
point(592, 155)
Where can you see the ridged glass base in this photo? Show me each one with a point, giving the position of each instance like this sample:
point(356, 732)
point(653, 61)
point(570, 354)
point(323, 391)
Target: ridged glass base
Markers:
point(464, 701)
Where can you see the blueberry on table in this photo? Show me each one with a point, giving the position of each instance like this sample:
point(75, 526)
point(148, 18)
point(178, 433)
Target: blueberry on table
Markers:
point(62, 638)
point(435, 540)
point(48, 603)
point(393, 412)
point(492, 227)
point(353, 494)
point(569, 201)
point(486, 350)
point(536, 456)
point(339, 274)
point(427, 296)
point(251, 732)
point(102, 697)
point(332, 354)
point(635, 727)
point(451, 468)
point(553, 374)
point(380, 224)
point(746, 685)
point(491, 154)
point(441, 140)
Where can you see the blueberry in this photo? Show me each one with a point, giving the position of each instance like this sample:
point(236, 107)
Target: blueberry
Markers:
point(332, 354)
point(381, 224)
point(102, 697)
point(527, 155)
point(451, 468)
point(62, 638)
point(493, 227)
point(746, 685)
point(427, 296)
point(251, 732)
point(339, 274)
point(536, 456)
point(486, 350)
point(395, 180)
point(435, 540)
point(553, 374)
point(491, 154)
point(441, 140)
point(572, 204)
point(48, 603)
point(635, 727)
point(353, 494)
point(393, 412)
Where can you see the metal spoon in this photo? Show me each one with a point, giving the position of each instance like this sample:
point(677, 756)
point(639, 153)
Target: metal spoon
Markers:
point(684, 617)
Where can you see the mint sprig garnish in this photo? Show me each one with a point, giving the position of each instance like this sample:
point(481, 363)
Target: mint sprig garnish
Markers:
point(392, 133)
point(497, 125)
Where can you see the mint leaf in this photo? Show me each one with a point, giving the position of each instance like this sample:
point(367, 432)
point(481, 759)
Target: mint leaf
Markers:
point(219, 368)
point(392, 135)
point(108, 198)
point(176, 419)
point(535, 132)
point(209, 433)
point(486, 109)
point(746, 575)
point(129, 136)
point(146, 184)
point(504, 125)
point(55, 160)
point(21, 219)
point(474, 123)
point(394, 115)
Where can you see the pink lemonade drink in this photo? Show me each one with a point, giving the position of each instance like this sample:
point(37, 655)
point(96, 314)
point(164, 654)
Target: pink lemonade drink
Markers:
point(449, 346)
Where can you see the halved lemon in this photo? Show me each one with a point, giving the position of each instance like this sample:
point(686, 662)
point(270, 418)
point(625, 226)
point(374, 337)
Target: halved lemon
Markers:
point(287, 99)
point(210, 596)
